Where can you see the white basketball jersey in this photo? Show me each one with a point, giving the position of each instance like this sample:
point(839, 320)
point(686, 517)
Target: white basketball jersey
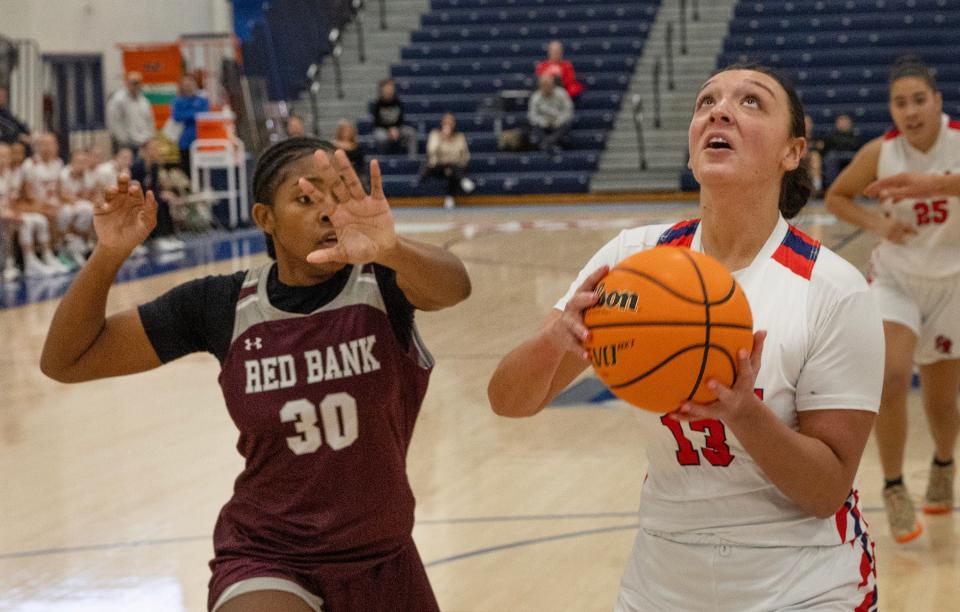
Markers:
point(43, 178)
point(934, 251)
point(107, 174)
point(77, 187)
point(824, 350)
point(7, 193)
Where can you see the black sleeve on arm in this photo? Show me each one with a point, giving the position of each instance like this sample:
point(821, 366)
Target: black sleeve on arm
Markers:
point(192, 317)
point(399, 308)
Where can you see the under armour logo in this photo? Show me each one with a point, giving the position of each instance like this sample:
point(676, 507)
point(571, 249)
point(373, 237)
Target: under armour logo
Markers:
point(944, 344)
point(256, 343)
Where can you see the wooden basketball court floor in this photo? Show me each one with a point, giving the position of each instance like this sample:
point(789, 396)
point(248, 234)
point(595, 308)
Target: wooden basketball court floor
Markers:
point(109, 490)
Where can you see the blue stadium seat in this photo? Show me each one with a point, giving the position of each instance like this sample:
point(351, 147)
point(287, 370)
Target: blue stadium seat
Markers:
point(525, 65)
point(489, 84)
point(856, 21)
point(630, 45)
point(754, 8)
point(840, 39)
point(441, 5)
point(566, 31)
point(619, 11)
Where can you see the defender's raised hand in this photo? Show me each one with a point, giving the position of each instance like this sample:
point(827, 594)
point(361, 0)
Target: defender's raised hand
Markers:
point(126, 216)
point(363, 222)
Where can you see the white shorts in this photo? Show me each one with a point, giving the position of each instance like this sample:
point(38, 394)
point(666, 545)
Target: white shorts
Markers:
point(666, 576)
point(268, 583)
point(930, 307)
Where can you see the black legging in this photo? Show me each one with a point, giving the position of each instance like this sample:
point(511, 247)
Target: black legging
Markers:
point(450, 173)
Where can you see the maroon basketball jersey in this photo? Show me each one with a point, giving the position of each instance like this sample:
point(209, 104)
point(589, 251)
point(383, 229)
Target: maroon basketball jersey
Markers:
point(325, 404)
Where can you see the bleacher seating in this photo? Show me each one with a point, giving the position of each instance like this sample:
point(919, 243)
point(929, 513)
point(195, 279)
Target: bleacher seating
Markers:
point(467, 51)
point(839, 54)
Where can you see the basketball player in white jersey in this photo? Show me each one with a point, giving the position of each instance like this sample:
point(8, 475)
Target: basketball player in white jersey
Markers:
point(20, 222)
point(41, 185)
point(78, 190)
point(109, 171)
point(749, 503)
point(915, 275)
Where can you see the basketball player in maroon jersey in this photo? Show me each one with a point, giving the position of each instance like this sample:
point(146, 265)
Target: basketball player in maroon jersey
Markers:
point(322, 370)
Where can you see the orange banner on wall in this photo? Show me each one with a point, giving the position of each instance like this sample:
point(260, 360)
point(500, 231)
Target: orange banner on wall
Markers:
point(159, 63)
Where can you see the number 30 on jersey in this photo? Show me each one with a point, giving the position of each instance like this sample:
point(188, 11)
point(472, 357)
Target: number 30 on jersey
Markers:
point(338, 418)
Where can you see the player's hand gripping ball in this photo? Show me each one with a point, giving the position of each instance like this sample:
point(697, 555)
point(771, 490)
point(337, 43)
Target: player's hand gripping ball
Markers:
point(666, 321)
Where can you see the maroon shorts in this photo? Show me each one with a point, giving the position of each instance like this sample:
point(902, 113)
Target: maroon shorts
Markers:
point(399, 584)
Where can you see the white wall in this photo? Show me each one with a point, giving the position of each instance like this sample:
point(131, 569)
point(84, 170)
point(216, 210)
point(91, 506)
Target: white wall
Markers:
point(97, 26)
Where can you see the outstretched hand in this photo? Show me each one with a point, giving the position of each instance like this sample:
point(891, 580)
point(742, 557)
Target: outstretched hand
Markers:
point(735, 401)
point(126, 216)
point(903, 185)
point(363, 222)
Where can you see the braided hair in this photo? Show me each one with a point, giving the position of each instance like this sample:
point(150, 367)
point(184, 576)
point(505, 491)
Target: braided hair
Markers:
point(270, 171)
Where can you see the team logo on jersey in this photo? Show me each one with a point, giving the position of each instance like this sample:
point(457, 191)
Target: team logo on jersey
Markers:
point(256, 343)
point(616, 299)
point(944, 344)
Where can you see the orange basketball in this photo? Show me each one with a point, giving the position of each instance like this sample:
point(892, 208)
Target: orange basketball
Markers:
point(667, 321)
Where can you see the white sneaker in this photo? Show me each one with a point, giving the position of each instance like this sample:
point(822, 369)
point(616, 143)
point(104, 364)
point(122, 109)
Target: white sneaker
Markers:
point(169, 243)
point(10, 272)
point(467, 185)
point(77, 249)
point(54, 264)
point(34, 268)
point(448, 202)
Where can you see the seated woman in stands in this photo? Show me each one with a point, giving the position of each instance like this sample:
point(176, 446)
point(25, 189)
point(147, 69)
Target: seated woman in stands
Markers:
point(447, 158)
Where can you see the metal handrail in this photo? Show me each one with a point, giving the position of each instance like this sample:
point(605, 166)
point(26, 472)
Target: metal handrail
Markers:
point(357, 6)
point(336, 50)
point(683, 27)
point(656, 93)
point(383, 14)
point(696, 10)
point(669, 50)
point(638, 125)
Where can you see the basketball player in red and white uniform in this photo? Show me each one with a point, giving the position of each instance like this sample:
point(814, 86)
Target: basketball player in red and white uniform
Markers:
point(22, 222)
point(109, 171)
point(78, 190)
point(753, 496)
point(41, 187)
point(322, 369)
point(915, 275)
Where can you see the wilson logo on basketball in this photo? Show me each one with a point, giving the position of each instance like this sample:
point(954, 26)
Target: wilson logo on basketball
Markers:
point(616, 299)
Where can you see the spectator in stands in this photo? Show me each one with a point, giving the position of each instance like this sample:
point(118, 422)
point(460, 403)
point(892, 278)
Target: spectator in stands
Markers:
point(550, 113)
point(812, 153)
point(295, 127)
point(447, 159)
point(389, 129)
point(146, 170)
point(129, 114)
point(560, 69)
point(24, 222)
point(346, 138)
point(839, 147)
point(185, 109)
